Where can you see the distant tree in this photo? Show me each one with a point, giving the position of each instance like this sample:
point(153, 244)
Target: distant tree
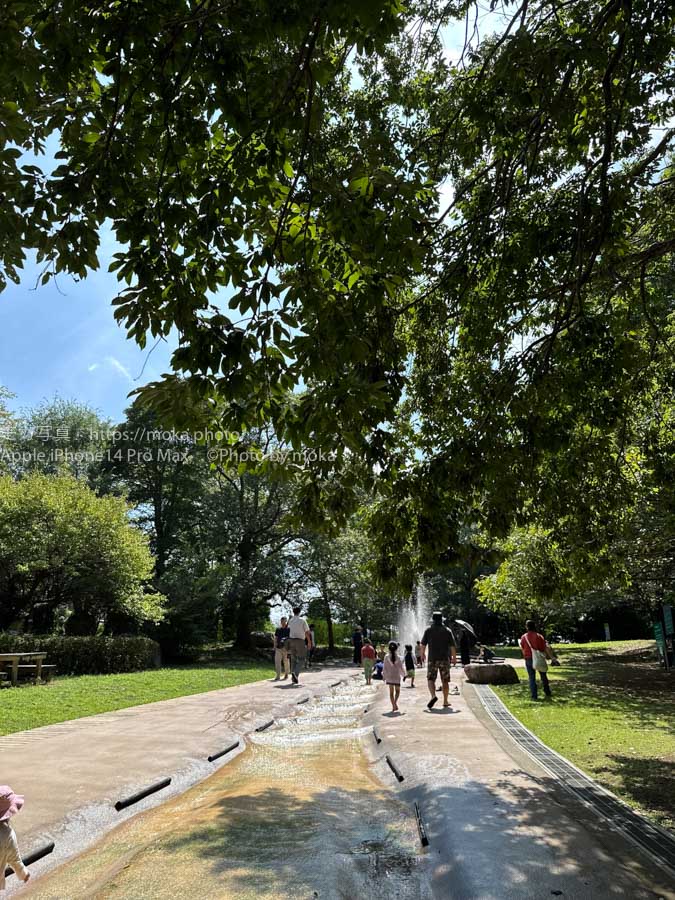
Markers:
point(62, 546)
point(247, 525)
point(7, 429)
point(341, 580)
point(534, 580)
point(162, 474)
point(59, 437)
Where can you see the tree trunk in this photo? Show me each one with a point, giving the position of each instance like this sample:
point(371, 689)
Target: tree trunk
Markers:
point(329, 626)
point(243, 639)
point(329, 618)
point(81, 622)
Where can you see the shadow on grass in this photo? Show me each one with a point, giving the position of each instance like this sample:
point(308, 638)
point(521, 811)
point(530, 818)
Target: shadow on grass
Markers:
point(646, 782)
point(628, 686)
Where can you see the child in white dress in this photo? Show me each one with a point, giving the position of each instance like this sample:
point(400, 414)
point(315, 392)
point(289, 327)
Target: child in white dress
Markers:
point(394, 673)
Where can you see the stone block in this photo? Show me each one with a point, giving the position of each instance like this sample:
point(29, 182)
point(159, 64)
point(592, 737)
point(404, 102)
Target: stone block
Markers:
point(491, 673)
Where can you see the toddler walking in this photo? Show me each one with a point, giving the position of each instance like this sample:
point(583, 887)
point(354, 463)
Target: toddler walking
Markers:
point(409, 662)
point(393, 673)
point(10, 804)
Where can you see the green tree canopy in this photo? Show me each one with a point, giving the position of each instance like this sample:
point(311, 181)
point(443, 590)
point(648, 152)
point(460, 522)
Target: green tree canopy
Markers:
point(58, 437)
point(62, 546)
point(294, 161)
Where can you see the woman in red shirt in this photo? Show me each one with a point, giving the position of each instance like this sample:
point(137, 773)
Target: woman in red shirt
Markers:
point(530, 641)
point(368, 657)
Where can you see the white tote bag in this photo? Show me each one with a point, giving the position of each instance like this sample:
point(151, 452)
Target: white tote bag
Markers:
point(539, 662)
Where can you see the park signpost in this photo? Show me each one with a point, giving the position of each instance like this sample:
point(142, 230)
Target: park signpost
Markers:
point(660, 638)
point(668, 620)
point(669, 640)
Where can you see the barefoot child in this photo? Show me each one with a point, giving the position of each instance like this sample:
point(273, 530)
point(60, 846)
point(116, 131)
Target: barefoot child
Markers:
point(10, 804)
point(368, 657)
point(409, 663)
point(393, 673)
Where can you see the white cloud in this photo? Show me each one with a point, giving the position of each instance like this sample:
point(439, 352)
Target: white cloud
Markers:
point(118, 367)
point(92, 367)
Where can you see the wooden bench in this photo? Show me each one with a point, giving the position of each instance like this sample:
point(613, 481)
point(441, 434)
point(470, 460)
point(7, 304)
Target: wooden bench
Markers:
point(10, 661)
point(30, 670)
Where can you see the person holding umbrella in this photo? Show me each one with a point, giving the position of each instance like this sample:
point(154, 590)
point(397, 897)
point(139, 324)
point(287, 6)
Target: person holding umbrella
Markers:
point(467, 638)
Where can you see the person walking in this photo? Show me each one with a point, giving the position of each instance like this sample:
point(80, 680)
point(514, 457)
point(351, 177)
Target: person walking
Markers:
point(299, 642)
point(281, 660)
point(368, 657)
point(393, 673)
point(535, 652)
point(409, 663)
point(10, 804)
point(464, 645)
point(418, 654)
point(357, 641)
point(440, 651)
point(312, 647)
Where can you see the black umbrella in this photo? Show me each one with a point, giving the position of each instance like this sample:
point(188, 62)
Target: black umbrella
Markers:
point(466, 626)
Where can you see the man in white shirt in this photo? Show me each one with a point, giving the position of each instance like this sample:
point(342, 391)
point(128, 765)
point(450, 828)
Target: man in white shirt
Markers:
point(299, 631)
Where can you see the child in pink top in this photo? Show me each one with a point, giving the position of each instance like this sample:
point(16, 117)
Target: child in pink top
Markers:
point(394, 672)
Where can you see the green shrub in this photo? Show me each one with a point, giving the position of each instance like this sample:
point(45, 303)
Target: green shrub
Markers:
point(341, 630)
point(87, 655)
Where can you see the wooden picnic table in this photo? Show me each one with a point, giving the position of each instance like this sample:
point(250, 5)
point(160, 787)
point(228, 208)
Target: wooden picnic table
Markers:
point(15, 659)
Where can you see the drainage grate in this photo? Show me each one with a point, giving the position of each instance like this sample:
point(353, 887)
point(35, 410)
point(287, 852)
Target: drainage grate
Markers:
point(655, 841)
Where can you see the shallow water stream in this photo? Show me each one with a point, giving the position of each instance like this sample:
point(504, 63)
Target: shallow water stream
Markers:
point(298, 814)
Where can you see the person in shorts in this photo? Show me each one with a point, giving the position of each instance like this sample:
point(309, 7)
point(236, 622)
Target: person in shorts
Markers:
point(281, 660)
point(440, 651)
point(368, 657)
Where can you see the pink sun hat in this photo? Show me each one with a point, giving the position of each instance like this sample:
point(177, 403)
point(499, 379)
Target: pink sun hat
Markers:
point(10, 803)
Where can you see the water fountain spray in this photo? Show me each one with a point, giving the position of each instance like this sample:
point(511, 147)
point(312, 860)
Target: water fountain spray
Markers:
point(415, 614)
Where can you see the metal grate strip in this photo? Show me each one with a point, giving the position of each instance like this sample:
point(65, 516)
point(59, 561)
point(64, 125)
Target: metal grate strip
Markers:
point(658, 843)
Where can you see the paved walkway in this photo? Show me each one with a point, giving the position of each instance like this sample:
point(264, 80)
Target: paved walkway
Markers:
point(499, 826)
point(72, 773)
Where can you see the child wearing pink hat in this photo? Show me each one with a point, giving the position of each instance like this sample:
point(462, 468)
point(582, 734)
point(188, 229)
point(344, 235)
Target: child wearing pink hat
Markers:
point(10, 804)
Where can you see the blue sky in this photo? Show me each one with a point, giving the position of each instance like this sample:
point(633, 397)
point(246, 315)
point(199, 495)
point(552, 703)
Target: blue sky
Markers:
point(61, 338)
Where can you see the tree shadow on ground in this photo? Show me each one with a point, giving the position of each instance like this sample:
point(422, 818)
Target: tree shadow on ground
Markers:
point(625, 684)
point(648, 783)
point(495, 841)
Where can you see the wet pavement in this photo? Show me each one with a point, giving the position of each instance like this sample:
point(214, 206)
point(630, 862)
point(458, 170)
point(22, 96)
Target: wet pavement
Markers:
point(312, 810)
point(73, 772)
point(299, 814)
point(499, 828)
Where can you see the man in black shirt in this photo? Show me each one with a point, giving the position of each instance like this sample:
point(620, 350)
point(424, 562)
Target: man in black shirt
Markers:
point(281, 636)
point(438, 647)
point(357, 641)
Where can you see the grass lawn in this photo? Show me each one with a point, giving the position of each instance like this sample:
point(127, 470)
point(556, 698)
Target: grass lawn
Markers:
point(612, 716)
point(613, 646)
point(86, 695)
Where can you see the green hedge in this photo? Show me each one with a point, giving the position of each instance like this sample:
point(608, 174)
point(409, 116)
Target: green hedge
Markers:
point(87, 655)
